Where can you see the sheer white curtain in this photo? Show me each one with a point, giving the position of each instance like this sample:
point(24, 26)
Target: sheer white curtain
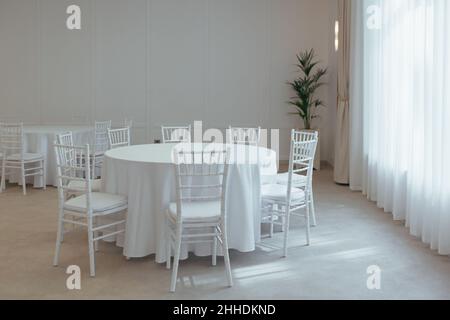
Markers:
point(400, 112)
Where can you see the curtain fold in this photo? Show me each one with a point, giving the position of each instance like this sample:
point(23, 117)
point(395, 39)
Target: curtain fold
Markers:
point(400, 112)
point(341, 157)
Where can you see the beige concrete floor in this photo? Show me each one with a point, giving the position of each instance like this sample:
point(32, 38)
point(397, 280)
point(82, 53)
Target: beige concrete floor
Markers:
point(352, 234)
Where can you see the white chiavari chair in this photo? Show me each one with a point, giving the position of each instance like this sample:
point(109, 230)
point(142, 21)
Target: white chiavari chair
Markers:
point(199, 214)
point(85, 209)
point(301, 179)
point(16, 159)
point(128, 123)
point(282, 201)
point(176, 134)
point(101, 145)
point(249, 136)
point(119, 137)
point(66, 139)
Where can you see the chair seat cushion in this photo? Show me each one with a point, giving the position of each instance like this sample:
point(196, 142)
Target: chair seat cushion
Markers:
point(100, 202)
point(278, 192)
point(26, 157)
point(197, 210)
point(96, 185)
point(297, 179)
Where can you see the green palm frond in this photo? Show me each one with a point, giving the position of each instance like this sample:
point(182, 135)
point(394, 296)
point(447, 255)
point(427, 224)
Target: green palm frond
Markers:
point(306, 85)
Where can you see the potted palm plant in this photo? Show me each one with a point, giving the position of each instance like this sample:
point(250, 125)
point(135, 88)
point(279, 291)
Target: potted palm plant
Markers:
point(305, 87)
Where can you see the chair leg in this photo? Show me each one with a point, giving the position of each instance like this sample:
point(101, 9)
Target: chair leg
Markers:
point(308, 225)
point(312, 210)
point(168, 245)
point(96, 233)
point(287, 219)
point(271, 224)
point(91, 247)
point(93, 167)
point(59, 237)
point(214, 250)
point(3, 187)
point(226, 255)
point(176, 259)
point(44, 175)
point(24, 184)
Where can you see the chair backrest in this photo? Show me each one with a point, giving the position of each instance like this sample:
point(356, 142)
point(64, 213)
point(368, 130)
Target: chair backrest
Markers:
point(65, 138)
point(73, 164)
point(201, 176)
point(305, 135)
point(301, 159)
point(119, 137)
point(249, 136)
point(176, 134)
point(101, 135)
point(11, 139)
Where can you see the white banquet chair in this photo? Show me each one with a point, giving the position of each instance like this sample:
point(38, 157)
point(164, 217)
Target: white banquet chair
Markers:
point(119, 137)
point(77, 187)
point(199, 213)
point(65, 138)
point(301, 179)
point(176, 134)
point(85, 209)
point(16, 159)
point(282, 201)
point(101, 144)
point(248, 136)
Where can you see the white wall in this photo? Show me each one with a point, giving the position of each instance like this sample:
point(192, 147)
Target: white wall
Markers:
point(162, 62)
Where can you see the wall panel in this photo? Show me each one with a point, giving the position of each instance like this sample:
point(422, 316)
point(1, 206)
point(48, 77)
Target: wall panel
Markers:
point(237, 63)
point(177, 61)
point(162, 62)
point(120, 58)
point(65, 64)
point(19, 88)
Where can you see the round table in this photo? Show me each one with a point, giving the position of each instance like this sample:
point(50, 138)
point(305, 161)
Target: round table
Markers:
point(40, 138)
point(146, 175)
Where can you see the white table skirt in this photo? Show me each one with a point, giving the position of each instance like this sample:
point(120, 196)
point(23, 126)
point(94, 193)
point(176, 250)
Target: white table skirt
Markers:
point(146, 175)
point(39, 139)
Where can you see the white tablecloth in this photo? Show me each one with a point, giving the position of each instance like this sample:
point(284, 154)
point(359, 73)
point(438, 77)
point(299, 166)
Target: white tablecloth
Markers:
point(39, 139)
point(145, 174)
